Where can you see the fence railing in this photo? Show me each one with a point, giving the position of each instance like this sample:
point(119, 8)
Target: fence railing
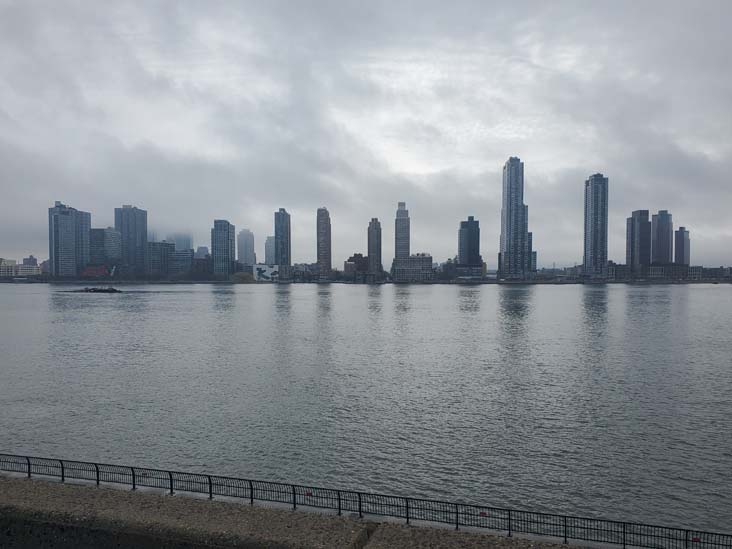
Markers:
point(510, 521)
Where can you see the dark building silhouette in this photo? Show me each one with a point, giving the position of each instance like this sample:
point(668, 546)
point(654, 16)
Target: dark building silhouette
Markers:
point(401, 232)
point(662, 238)
point(638, 243)
point(131, 222)
point(324, 243)
point(683, 247)
point(469, 243)
point(374, 248)
point(283, 245)
point(159, 259)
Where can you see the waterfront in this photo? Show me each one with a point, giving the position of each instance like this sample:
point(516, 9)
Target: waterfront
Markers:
point(611, 401)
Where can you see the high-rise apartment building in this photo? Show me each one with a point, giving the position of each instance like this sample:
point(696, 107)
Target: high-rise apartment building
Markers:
point(638, 243)
point(269, 250)
point(223, 247)
point(105, 246)
point(374, 248)
point(683, 247)
point(515, 255)
point(662, 238)
point(283, 246)
point(131, 222)
point(159, 259)
point(245, 247)
point(596, 206)
point(68, 240)
point(469, 243)
point(324, 243)
point(401, 232)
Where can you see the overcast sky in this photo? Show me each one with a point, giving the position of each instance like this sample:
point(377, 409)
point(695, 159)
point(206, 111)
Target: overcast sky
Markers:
point(203, 110)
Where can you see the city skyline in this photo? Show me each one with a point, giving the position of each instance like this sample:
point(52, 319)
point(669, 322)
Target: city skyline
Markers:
point(360, 120)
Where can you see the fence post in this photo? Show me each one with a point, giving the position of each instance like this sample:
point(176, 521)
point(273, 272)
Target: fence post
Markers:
point(686, 540)
point(251, 493)
point(406, 504)
point(170, 476)
point(360, 514)
point(457, 518)
point(565, 529)
point(96, 468)
point(210, 488)
point(63, 471)
point(27, 460)
point(509, 523)
point(294, 500)
point(623, 535)
point(339, 502)
point(134, 480)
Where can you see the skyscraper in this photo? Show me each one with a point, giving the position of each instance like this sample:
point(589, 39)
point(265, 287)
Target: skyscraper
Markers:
point(223, 247)
point(324, 243)
point(469, 243)
point(131, 222)
point(68, 240)
point(514, 258)
point(245, 247)
point(683, 247)
point(269, 250)
point(401, 232)
point(638, 243)
point(662, 238)
point(596, 204)
point(283, 247)
point(374, 248)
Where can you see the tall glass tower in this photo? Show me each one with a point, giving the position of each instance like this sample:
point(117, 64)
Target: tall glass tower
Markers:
point(596, 202)
point(401, 232)
point(515, 256)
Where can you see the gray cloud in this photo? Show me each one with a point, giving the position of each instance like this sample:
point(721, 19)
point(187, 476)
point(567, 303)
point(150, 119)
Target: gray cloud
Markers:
point(231, 110)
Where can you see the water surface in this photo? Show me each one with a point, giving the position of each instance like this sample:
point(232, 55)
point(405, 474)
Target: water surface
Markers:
point(610, 401)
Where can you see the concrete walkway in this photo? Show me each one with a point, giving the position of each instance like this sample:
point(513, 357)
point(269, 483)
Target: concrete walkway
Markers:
point(37, 513)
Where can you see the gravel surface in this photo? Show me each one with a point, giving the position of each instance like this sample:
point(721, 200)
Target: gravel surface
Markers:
point(64, 513)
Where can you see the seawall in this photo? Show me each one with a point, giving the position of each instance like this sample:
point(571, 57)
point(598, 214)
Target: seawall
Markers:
point(39, 514)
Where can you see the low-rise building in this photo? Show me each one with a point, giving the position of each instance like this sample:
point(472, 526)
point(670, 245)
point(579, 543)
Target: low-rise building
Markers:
point(415, 268)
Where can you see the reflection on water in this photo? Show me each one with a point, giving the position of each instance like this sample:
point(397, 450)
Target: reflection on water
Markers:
point(593, 400)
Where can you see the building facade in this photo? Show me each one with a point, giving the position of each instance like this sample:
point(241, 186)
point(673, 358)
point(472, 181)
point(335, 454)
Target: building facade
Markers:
point(181, 263)
point(638, 243)
point(596, 226)
point(324, 253)
point(159, 259)
point(415, 268)
point(245, 247)
point(223, 248)
point(131, 222)
point(282, 244)
point(662, 238)
point(105, 246)
point(269, 250)
point(515, 252)
point(469, 243)
point(374, 248)
point(401, 232)
point(683, 247)
point(68, 240)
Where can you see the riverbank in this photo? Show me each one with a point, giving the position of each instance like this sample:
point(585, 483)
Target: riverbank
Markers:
point(37, 513)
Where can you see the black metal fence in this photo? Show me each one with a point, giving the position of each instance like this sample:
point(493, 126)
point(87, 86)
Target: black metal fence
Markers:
point(346, 501)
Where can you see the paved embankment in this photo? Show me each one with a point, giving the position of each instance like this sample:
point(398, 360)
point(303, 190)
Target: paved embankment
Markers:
point(36, 513)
